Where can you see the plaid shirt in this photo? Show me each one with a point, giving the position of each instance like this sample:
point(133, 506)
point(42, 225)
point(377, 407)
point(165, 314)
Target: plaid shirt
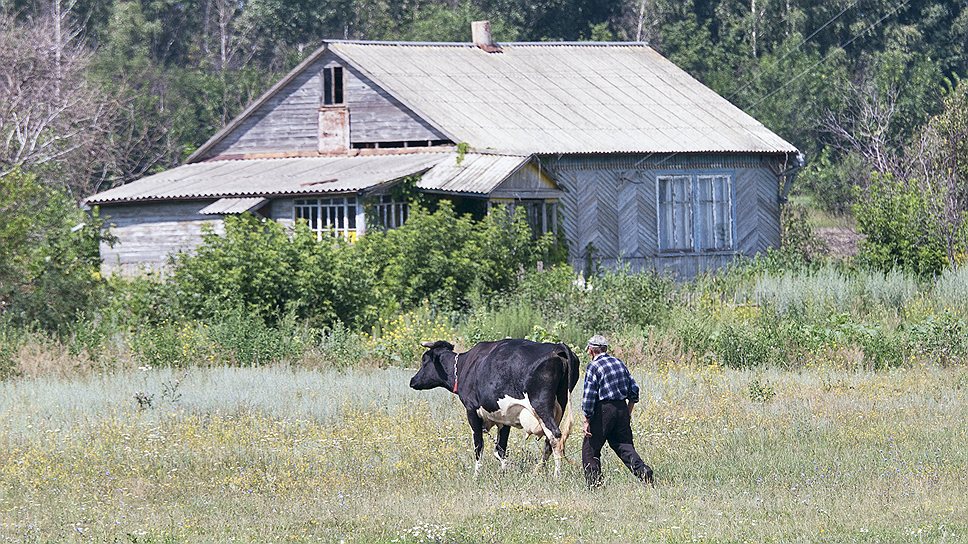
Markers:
point(607, 378)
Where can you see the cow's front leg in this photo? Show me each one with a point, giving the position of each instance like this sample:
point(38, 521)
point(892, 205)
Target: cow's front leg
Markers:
point(477, 428)
point(501, 448)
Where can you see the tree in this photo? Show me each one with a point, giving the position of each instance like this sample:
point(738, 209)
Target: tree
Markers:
point(941, 156)
point(48, 110)
point(49, 254)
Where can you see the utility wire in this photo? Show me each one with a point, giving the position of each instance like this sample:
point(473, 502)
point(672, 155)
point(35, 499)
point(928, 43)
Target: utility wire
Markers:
point(805, 72)
point(797, 48)
point(828, 55)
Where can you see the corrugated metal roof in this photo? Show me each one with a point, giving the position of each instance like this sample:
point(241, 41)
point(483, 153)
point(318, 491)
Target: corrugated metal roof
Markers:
point(560, 98)
point(267, 177)
point(479, 174)
point(228, 206)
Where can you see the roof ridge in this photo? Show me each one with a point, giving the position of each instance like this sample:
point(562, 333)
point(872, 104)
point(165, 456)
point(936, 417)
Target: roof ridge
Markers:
point(502, 44)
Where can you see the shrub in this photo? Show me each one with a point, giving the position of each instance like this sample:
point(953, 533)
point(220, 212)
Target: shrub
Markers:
point(951, 289)
point(241, 338)
point(940, 339)
point(49, 254)
point(743, 346)
point(450, 260)
point(260, 267)
point(899, 228)
point(610, 301)
point(397, 341)
point(341, 347)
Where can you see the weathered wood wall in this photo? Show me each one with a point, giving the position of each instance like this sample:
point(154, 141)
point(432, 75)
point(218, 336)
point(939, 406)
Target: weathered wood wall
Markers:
point(289, 121)
point(147, 233)
point(528, 182)
point(610, 203)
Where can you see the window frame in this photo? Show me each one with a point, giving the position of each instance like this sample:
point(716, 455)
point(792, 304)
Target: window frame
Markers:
point(388, 212)
point(333, 85)
point(542, 213)
point(325, 207)
point(695, 229)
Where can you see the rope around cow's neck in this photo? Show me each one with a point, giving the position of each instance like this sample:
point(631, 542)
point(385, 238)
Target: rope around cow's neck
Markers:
point(455, 371)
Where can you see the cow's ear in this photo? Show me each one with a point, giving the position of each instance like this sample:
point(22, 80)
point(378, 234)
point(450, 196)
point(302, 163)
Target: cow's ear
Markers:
point(427, 344)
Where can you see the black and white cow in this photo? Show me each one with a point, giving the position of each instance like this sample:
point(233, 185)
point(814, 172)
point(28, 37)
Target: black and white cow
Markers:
point(508, 383)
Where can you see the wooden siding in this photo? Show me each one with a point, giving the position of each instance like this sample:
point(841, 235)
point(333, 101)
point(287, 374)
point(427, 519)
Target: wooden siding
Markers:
point(280, 209)
point(289, 120)
point(611, 203)
point(528, 182)
point(148, 233)
point(375, 116)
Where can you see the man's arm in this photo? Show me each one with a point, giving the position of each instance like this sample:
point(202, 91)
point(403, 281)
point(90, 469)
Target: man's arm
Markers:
point(633, 393)
point(589, 397)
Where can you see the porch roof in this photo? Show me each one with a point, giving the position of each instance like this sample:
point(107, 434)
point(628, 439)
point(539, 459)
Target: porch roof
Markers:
point(240, 183)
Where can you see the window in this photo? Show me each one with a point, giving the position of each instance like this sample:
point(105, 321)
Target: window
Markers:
point(336, 216)
point(332, 85)
point(695, 212)
point(389, 213)
point(542, 216)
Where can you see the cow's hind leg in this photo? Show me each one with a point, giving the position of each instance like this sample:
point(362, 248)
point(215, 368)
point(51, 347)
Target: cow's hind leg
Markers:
point(477, 428)
point(549, 412)
point(501, 448)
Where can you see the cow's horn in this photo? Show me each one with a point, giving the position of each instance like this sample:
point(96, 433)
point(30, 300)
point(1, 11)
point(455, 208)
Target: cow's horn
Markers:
point(427, 344)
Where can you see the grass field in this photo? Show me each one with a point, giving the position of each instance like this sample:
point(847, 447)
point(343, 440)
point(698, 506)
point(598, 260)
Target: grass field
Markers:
point(278, 454)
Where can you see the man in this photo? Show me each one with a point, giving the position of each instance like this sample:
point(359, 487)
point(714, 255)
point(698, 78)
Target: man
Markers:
point(610, 394)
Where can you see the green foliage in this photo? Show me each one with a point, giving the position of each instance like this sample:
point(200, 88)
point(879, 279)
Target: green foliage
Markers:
point(49, 254)
point(760, 390)
point(738, 345)
point(798, 242)
point(613, 300)
point(448, 259)
point(831, 179)
point(452, 23)
point(899, 229)
point(260, 267)
point(232, 336)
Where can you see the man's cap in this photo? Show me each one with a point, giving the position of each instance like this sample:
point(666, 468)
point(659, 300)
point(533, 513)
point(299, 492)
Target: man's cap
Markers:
point(598, 341)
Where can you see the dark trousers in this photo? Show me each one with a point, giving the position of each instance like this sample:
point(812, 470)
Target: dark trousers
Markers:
point(611, 423)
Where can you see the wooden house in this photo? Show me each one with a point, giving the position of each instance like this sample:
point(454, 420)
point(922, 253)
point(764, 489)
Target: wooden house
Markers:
point(631, 158)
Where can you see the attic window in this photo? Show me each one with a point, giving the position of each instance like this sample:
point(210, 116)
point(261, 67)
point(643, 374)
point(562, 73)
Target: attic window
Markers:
point(332, 85)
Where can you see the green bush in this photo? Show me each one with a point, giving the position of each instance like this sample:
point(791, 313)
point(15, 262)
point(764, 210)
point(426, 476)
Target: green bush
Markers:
point(259, 266)
point(449, 260)
point(739, 345)
point(609, 301)
point(941, 338)
point(49, 254)
point(242, 338)
point(899, 228)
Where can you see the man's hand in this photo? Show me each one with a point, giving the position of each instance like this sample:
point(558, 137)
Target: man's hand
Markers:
point(587, 431)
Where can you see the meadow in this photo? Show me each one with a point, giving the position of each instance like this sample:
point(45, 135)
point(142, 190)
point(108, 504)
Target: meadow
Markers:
point(786, 400)
point(287, 454)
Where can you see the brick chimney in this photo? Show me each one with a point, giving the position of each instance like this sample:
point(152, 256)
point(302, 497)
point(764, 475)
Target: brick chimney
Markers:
point(481, 35)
